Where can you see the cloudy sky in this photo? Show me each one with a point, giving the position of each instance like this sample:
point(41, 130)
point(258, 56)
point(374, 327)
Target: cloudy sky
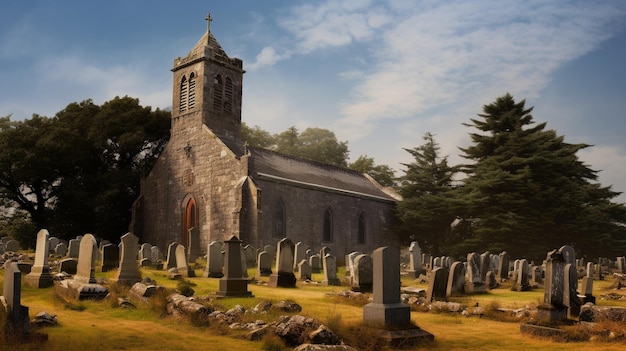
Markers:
point(380, 74)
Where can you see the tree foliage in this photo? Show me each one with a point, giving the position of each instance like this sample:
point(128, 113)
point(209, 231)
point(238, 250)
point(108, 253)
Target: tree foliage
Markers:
point(79, 171)
point(530, 192)
point(428, 206)
point(383, 174)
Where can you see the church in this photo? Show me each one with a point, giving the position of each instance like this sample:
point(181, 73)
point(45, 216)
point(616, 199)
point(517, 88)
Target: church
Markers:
point(207, 178)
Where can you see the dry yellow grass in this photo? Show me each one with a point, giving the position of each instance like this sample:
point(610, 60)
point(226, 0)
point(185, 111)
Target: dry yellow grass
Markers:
point(98, 326)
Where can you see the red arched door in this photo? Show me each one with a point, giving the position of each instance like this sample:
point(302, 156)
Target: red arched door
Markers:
point(190, 220)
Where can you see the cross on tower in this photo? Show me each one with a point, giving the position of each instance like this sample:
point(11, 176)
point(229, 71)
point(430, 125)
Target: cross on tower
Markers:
point(208, 19)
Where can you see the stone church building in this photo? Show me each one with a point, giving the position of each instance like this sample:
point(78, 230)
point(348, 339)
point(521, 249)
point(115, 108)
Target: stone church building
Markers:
point(207, 178)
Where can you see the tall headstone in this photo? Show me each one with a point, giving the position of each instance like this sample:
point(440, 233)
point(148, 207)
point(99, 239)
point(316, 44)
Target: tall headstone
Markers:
point(128, 270)
point(386, 310)
point(437, 284)
point(620, 262)
point(330, 271)
point(570, 291)
point(298, 254)
point(485, 263)
point(181, 262)
point(553, 307)
point(171, 256)
point(194, 251)
point(415, 261)
point(88, 251)
point(18, 323)
point(284, 276)
point(503, 266)
point(214, 261)
point(39, 276)
point(251, 255)
point(233, 283)
point(473, 280)
point(73, 248)
point(522, 283)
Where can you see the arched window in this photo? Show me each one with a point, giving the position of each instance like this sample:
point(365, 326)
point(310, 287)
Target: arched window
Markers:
point(182, 106)
point(228, 95)
point(190, 221)
point(192, 91)
point(328, 226)
point(361, 229)
point(280, 220)
point(218, 87)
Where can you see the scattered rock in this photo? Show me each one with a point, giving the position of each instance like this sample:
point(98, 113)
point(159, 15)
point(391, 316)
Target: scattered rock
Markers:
point(44, 319)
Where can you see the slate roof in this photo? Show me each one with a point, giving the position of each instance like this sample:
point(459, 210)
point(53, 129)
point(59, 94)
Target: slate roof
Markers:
point(274, 166)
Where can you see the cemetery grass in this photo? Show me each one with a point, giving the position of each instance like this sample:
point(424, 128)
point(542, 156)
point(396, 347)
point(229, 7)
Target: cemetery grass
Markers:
point(92, 325)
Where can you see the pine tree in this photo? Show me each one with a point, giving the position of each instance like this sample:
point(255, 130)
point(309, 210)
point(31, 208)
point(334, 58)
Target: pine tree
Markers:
point(530, 191)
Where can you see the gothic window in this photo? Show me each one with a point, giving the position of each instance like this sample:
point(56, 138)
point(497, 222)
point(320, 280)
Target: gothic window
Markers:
point(361, 229)
point(279, 220)
point(190, 220)
point(228, 95)
point(328, 226)
point(182, 107)
point(218, 87)
point(192, 91)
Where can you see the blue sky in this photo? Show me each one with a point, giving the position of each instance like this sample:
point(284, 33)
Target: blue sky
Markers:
point(379, 74)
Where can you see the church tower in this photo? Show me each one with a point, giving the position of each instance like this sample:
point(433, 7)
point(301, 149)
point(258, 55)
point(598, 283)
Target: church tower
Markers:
point(207, 90)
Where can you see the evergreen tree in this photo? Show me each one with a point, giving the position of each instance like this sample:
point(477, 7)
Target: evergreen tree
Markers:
point(530, 191)
point(428, 207)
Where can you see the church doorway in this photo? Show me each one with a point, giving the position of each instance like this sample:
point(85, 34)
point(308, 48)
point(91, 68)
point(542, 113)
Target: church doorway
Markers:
point(190, 220)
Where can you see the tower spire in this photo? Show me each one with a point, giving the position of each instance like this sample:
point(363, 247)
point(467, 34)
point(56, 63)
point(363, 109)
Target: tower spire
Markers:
point(208, 19)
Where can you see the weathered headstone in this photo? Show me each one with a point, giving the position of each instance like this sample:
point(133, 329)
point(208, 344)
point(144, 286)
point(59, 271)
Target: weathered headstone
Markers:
point(215, 261)
point(12, 246)
point(570, 291)
point(437, 284)
point(264, 264)
point(39, 276)
point(456, 279)
point(86, 260)
point(473, 280)
point(304, 270)
point(182, 266)
point(485, 263)
point(233, 283)
point(60, 249)
point(128, 270)
point(171, 256)
point(194, 251)
point(314, 262)
point(299, 252)
point(52, 244)
point(251, 255)
point(620, 263)
point(73, 248)
point(553, 307)
point(363, 279)
point(68, 265)
point(19, 322)
point(503, 266)
point(415, 261)
point(111, 257)
point(284, 276)
point(145, 252)
point(330, 271)
point(522, 282)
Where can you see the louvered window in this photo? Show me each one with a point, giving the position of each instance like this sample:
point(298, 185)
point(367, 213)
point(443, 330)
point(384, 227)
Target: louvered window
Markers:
point(192, 91)
point(182, 107)
point(228, 95)
point(218, 90)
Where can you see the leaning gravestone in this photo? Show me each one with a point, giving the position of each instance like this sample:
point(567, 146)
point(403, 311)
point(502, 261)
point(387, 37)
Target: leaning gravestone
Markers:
point(387, 312)
point(39, 276)
point(284, 276)
point(18, 322)
point(128, 270)
point(233, 283)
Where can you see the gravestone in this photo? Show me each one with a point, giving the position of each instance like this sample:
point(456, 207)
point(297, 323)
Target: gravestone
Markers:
point(314, 262)
point(194, 251)
point(522, 282)
point(485, 263)
point(437, 284)
point(299, 254)
point(304, 270)
point(60, 249)
point(386, 311)
point(350, 265)
point(251, 255)
point(145, 253)
point(330, 270)
point(182, 267)
point(363, 279)
point(587, 285)
point(128, 270)
point(171, 256)
point(233, 283)
point(111, 257)
point(244, 262)
point(456, 279)
point(68, 265)
point(214, 261)
point(570, 291)
point(536, 278)
point(18, 322)
point(52, 244)
point(503, 266)
point(620, 263)
point(284, 276)
point(264, 264)
point(415, 261)
point(323, 252)
point(87, 253)
point(473, 281)
point(553, 307)
point(155, 257)
point(39, 276)
point(73, 248)
point(12, 246)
